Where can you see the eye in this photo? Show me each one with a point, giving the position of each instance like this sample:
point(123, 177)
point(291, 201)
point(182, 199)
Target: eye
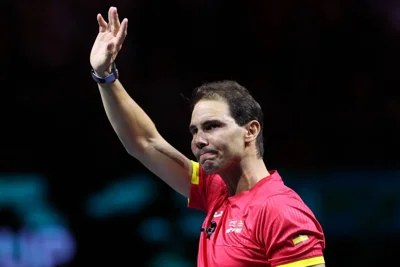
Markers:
point(210, 127)
point(193, 131)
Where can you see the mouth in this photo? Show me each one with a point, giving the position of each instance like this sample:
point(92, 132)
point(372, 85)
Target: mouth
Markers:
point(206, 156)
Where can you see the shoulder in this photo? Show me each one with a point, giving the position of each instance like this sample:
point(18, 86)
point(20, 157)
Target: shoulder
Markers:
point(286, 219)
point(273, 196)
point(280, 206)
point(279, 202)
point(284, 205)
point(286, 215)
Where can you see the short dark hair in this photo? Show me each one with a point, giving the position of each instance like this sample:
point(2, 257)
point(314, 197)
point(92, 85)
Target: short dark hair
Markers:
point(242, 106)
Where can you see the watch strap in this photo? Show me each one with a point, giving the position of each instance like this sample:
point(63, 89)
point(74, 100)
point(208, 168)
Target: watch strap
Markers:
point(112, 77)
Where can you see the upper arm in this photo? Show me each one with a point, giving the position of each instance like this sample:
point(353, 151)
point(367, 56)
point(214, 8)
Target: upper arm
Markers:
point(167, 163)
point(294, 238)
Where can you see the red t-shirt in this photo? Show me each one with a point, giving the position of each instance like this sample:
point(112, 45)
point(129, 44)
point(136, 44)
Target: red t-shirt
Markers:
point(268, 225)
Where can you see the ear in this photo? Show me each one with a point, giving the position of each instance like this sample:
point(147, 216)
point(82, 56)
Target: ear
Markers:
point(253, 129)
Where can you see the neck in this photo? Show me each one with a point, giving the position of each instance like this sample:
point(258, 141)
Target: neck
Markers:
point(244, 175)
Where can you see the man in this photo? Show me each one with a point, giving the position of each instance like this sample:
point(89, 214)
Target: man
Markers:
point(252, 218)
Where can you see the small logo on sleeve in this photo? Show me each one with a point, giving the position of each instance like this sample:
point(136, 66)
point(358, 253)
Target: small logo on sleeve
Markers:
point(299, 239)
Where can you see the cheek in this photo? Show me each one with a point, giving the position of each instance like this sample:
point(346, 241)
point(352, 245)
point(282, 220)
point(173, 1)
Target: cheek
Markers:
point(193, 146)
point(238, 143)
point(233, 144)
point(237, 147)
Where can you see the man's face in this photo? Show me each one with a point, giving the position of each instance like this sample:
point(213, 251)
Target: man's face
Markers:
point(218, 141)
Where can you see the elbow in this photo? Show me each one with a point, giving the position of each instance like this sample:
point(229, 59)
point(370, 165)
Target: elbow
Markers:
point(139, 148)
point(135, 150)
point(131, 152)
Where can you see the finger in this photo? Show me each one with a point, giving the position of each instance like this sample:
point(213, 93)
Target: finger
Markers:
point(102, 23)
point(110, 22)
point(115, 20)
point(123, 31)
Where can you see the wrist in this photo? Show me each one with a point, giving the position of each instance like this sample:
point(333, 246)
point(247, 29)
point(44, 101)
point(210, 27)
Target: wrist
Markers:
point(103, 73)
point(107, 76)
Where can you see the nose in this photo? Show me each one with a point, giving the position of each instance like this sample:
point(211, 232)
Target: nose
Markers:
point(200, 141)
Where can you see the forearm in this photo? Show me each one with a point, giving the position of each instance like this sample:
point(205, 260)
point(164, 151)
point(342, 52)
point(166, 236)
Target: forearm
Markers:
point(132, 125)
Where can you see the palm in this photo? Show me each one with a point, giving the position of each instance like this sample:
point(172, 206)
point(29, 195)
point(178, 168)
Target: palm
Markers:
point(108, 42)
point(100, 52)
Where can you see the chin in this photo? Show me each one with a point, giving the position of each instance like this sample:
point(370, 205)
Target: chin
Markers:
point(210, 167)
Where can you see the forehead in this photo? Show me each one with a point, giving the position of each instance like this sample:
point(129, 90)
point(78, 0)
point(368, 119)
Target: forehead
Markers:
point(211, 110)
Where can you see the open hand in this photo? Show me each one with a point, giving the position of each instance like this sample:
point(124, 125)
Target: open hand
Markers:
point(108, 42)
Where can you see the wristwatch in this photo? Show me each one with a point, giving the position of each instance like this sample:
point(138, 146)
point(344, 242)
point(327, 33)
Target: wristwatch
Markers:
point(112, 77)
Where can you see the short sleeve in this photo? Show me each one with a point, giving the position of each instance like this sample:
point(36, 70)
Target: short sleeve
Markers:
point(294, 238)
point(204, 189)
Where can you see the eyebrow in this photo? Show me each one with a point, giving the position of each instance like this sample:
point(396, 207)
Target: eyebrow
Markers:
point(205, 123)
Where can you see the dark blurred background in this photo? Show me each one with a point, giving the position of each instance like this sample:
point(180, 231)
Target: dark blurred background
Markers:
point(325, 72)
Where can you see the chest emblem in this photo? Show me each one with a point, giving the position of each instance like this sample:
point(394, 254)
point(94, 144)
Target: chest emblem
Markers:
point(234, 226)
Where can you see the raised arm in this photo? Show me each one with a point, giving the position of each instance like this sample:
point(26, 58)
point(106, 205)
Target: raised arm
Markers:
point(134, 128)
